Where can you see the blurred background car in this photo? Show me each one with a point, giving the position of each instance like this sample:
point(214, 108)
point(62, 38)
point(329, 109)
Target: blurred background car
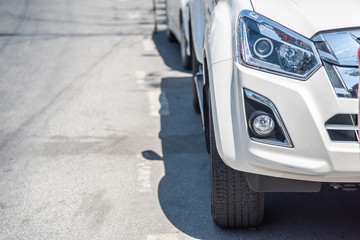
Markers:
point(178, 28)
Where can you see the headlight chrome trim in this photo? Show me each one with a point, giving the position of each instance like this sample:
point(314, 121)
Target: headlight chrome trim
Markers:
point(261, 19)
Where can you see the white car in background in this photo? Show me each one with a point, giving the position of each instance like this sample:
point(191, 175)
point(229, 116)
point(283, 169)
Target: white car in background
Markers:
point(178, 28)
point(277, 93)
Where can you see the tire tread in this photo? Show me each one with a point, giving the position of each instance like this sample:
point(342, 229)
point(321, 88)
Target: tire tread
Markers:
point(234, 204)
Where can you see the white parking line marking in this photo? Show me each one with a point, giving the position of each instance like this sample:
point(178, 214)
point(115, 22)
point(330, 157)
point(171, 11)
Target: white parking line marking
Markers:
point(143, 174)
point(133, 15)
point(164, 111)
point(140, 82)
point(140, 74)
point(159, 105)
point(148, 45)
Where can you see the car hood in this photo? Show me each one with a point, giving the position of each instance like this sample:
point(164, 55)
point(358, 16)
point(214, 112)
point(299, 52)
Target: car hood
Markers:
point(308, 17)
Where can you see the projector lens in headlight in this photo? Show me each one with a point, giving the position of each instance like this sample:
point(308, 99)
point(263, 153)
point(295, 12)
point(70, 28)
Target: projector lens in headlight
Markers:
point(263, 47)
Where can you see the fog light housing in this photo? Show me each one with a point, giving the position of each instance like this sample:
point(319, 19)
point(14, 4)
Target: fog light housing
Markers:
point(255, 105)
point(262, 124)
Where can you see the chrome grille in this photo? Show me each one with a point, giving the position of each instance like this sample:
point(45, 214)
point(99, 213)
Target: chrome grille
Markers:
point(343, 127)
point(338, 51)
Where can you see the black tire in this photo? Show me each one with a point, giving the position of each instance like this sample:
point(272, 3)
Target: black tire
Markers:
point(195, 99)
point(233, 203)
point(170, 35)
point(185, 59)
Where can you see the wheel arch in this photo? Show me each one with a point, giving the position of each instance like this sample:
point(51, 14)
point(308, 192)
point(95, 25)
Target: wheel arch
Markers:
point(219, 52)
point(206, 103)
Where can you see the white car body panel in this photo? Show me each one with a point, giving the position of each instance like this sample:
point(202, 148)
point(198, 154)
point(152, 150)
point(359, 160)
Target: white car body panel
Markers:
point(197, 22)
point(315, 160)
point(177, 10)
point(308, 17)
point(303, 105)
point(200, 11)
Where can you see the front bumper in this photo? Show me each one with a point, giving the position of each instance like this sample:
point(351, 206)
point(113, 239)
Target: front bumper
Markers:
point(304, 107)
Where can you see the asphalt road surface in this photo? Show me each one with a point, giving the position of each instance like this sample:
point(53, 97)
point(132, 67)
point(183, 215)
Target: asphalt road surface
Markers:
point(98, 138)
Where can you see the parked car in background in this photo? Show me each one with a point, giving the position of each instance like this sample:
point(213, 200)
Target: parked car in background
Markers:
point(178, 28)
point(277, 93)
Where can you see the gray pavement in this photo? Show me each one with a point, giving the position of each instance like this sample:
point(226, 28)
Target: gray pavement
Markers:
point(98, 138)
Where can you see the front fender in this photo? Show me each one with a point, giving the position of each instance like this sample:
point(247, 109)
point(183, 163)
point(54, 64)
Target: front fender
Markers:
point(222, 29)
point(220, 49)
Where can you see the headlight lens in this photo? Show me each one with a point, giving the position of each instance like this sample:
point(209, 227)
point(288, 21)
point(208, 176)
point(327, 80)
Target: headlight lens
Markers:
point(272, 47)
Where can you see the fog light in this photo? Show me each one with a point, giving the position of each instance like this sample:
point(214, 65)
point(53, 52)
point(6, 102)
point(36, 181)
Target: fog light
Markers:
point(262, 124)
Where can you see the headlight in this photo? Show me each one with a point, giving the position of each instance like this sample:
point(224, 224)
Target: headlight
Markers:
point(267, 45)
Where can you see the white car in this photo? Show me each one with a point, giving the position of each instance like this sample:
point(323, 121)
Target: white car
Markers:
point(278, 99)
point(178, 28)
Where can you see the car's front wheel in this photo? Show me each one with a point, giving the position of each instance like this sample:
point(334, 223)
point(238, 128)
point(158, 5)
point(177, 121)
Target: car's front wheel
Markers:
point(233, 203)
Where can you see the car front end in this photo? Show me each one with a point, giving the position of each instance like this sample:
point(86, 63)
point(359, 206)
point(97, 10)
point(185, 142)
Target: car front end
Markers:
point(307, 87)
point(314, 110)
point(281, 88)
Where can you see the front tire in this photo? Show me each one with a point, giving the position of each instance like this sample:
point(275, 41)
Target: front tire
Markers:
point(233, 203)
point(196, 104)
point(170, 35)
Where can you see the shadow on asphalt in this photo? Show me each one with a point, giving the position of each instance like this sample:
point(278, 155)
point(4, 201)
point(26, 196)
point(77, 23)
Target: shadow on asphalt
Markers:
point(184, 191)
point(168, 51)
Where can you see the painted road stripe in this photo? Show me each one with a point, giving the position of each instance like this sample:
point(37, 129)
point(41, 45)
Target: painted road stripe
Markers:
point(149, 45)
point(159, 105)
point(143, 169)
